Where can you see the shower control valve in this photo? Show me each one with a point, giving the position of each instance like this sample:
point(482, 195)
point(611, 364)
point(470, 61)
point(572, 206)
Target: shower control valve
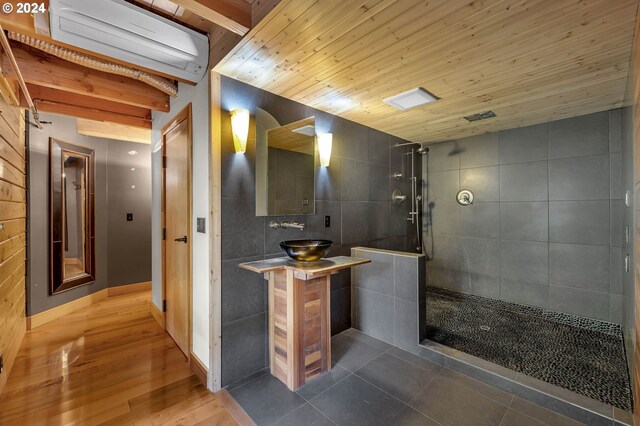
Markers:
point(464, 197)
point(398, 197)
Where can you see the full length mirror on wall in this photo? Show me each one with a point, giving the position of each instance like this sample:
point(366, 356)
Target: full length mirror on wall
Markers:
point(285, 166)
point(72, 197)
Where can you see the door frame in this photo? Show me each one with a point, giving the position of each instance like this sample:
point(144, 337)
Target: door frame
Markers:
point(215, 239)
point(185, 113)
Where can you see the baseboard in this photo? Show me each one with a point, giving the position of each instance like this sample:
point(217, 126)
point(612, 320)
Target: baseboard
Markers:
point(129, 288)
point(157, 315)
point(54, 313)
point(198, 368)
point(12, 354)
point(234, 408)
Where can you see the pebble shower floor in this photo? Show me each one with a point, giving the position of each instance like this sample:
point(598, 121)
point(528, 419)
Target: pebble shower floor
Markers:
point(583, 355)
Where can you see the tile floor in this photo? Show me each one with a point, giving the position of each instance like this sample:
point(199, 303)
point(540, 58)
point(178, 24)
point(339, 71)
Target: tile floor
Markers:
point(373, 383)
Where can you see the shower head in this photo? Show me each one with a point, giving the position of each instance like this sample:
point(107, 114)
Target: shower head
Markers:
point(423, 149)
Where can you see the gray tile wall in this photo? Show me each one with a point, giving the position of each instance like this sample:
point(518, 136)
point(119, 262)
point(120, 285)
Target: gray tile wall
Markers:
point(547, 224)
point(355, 190)
point(389, 296)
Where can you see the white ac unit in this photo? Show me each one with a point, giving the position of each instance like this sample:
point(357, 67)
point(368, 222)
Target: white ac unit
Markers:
point(126, 32)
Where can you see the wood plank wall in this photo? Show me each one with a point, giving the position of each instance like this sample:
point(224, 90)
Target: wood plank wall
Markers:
point(13, 214)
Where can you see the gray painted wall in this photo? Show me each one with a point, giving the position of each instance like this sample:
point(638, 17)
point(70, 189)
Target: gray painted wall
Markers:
point(129, 254)
point(123, 250)
point(355, 190)
point(546, 228)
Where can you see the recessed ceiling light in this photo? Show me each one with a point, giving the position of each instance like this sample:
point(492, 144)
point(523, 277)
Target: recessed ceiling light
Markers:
point(133, 169)
point(308, 130)
point(411, 99)
point(132, 152)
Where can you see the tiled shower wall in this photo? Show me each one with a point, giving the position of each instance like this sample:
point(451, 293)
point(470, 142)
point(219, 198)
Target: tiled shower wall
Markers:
point(355, 191)
point(547, 224)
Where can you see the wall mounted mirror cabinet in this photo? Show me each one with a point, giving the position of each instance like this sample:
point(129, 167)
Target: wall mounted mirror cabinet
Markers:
point(72, 215)
point(286, 162)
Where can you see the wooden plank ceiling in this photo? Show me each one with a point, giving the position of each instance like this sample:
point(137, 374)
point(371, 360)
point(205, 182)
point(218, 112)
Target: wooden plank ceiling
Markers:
point(529, 61)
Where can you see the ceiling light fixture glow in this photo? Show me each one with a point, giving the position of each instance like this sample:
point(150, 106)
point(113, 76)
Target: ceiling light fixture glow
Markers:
point(411, 99)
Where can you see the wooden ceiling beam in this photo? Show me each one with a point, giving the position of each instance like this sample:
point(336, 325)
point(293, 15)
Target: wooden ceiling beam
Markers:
point(60, 102)
point(89, 114)
point(101, 129)
point(234, 15)
point(45, 70)
point(40, 92)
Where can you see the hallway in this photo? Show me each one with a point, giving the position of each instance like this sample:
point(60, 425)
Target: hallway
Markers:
point(109, 363)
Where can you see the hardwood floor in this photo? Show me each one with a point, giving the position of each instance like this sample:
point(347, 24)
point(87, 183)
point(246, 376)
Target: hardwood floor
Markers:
point(109, 363)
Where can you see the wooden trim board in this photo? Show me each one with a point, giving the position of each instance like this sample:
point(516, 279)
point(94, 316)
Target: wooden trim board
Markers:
point(49, 315)
point(215, 239)
point(198, 368)
point(156, 313)
point(129, 288)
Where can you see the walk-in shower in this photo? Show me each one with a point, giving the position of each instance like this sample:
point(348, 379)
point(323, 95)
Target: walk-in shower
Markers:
point(526, 232)
point(415, 214)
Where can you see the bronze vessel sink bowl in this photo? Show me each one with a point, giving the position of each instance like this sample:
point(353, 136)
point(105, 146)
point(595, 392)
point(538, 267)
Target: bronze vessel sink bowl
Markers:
point(306, 250)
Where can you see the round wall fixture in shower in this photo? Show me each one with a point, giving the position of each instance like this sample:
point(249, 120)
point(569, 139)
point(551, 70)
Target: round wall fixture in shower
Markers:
point(398, 197)
point(464, 197)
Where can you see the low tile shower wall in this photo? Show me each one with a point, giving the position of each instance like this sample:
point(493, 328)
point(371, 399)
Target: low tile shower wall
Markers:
point(389, 296)
point(389, 303)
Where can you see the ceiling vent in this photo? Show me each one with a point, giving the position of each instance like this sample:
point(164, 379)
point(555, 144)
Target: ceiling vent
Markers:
point(131, 34)
point(480, 116)
point(411, 99)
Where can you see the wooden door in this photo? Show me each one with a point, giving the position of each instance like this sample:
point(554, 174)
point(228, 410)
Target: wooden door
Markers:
point(177, 186)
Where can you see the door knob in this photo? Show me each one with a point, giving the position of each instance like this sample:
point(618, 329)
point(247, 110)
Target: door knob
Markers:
point(181, 239)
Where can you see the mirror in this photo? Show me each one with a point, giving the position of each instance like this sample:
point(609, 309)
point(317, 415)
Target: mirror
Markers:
point(285, 166)
point(72, 213)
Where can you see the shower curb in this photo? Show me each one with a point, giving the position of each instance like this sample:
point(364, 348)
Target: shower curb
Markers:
point(560, 400)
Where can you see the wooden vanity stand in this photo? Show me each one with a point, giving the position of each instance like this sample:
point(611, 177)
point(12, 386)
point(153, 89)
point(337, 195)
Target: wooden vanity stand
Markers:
point(300, 315)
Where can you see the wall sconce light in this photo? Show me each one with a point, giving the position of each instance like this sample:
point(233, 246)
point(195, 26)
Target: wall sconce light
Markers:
point(240, 129)
point(325, 140)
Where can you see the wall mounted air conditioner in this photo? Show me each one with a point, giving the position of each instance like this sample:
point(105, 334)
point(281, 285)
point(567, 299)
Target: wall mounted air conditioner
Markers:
point(126, 32)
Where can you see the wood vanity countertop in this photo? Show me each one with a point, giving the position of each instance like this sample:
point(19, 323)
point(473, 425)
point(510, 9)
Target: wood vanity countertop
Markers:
point(322, 266)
